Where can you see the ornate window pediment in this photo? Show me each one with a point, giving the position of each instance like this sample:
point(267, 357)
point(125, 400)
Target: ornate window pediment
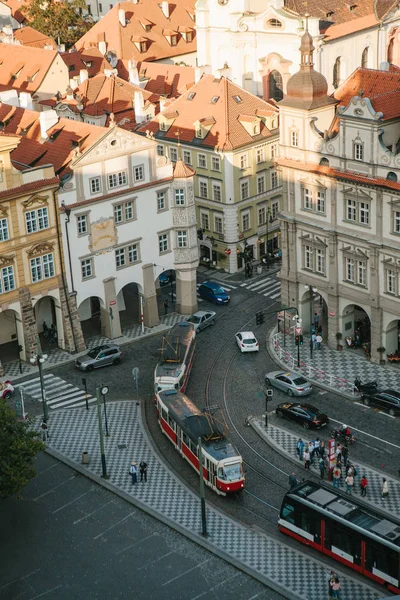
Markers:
point(313, 240)
point(6, 259)
point(356, 192)
point(355, 252)
point(35, 199)
point(4, 210)
point(40, 248)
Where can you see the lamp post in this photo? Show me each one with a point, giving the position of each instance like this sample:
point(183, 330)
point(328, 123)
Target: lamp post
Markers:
point(39, 359)
point(311, 289)
point(298, 332)
point(269, 220)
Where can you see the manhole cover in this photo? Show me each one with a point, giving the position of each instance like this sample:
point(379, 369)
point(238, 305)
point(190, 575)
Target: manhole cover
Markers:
point(121, 446)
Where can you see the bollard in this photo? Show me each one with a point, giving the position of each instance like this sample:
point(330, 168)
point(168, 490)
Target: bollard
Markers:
point(85, 458)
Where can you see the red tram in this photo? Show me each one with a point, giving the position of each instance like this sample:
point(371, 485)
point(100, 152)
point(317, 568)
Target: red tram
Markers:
point(183, 423)
point(345, 529)
point(177, 355)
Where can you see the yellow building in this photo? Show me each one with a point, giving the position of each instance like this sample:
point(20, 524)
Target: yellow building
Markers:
point(32, 284)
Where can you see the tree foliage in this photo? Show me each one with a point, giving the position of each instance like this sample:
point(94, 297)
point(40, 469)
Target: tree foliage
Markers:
point(18, 447)
point(60, 20)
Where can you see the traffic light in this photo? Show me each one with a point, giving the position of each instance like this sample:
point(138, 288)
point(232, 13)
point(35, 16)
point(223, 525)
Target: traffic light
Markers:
point(297, 340)
point(259, 318)
point(301, 340)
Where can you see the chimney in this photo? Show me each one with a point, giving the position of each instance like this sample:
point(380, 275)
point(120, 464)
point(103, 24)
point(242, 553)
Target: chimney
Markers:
point(165, 8)
point(102, 47)
point(135, 1)
point(83, 75)
point(133, 72)
point(384, 66)
point(70, 93)
point(121, 17)
point(163, 100)
point(47, 119)
point(138, 105)
point(25, 100)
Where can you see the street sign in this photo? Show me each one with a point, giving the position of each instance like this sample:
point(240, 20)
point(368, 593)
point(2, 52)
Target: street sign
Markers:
point(135, 373)
point(298, 330)
point(104, 390)
point(113, 302)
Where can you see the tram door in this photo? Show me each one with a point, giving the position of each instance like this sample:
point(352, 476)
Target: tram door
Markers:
point(212, 473)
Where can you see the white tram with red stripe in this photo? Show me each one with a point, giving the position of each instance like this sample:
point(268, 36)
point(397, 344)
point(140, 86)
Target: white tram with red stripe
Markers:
point(183, 423)
point(345, 529)
point(177, 355)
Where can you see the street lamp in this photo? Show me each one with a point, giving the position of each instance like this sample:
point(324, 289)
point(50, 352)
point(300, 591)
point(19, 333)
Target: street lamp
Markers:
point(298, 332)
point(312, 290)
point(39, 359)
point(269, 220)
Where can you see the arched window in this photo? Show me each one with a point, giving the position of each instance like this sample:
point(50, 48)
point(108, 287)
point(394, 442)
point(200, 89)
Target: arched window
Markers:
point(324, 162)
point(274, 23)
point(391, 176)
point(364, 58)
point(275, 86)
point(336, 73)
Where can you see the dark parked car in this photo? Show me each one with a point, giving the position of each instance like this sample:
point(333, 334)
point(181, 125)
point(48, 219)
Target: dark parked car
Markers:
point(305, 414)
point(213, 292)
point(101, 356)
point(388, 400)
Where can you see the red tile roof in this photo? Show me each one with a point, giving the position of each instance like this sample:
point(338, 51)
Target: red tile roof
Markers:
point(90, 59)
point(29, 187)
point(182, 171)
point(226, 132)
point(28, 36)
point(16, 6)
point(350, 27)
point(23, 68)
point(165, 80)
point(120, 38)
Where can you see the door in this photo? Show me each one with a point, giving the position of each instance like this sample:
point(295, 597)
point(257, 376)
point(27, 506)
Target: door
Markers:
point(101, 359)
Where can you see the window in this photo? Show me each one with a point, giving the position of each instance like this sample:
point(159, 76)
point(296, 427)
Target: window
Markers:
point(275, 210)
point(203, 189)
point(202, 161)
point(358, 151)
point(160, 150)
point(124, 212)
point(355, 271)
point(246, 221)
point(391, 176)
point(314, 257)
point(336, 73)
point(126, 256)
point(163, 126)
point(364, 58)
point(87, 268)
point(199, 132)
point(7, 280)
point(237, 99)
point(364, 213)
point(100, 7)
point(314, 200)
point(260, 184)
point(260, 155)
point(320, 261)
point(320, 201)
point(274, 150)
point(308, 257)
point(163, 243)
point(161, 201)
point(36, 220)
point(82, 224)
point(349, 269)
point(275, 85)
point(138, 173)
point(262, 215)
point(244, 189)
point(3, 230)
point(274, 179)
point(307, 195)
point(243, 161)
point(351, 211)
point(187, 157)
point(361, 272)
point(216, 192)
point(390, 281)
point(173, 154)
point(181, 238)
point(95, 185)
point(142, 46)
point(396, 221)
point(180, 197)
point(294, 139)
point(274, 23)
point(218, 226)
point(189, 36)
point(358, 211)
point(215, 163)
point(117, 179)
point(205, 221)
point(42, 267)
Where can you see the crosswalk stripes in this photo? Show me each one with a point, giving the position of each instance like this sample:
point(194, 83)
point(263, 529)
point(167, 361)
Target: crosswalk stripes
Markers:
point(59, 393)
point(269, 287)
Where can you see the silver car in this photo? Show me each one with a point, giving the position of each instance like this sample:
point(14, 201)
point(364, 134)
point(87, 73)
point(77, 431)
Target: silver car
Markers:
point(291, 383)
point(100, 356)
point(202, 319)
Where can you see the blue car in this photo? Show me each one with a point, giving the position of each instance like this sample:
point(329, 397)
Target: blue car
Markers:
point(209, 290)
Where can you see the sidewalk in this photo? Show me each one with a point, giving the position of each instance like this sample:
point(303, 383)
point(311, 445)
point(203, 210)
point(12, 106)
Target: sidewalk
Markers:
point(164, 496)
point(285, 443)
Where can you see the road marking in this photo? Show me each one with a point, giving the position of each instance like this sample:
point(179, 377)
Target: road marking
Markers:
point(45, 593)
point(186, 572)
point(361, 404)
point(260, 282)
point(368, 434)
point(322, 393)
point(68, 503)
point(20, 579)
point(274, 296)
point(49, 468)
point(93, 512)
point(54, 488)
point(115, 525)
point(136, 543)
point(154, 561)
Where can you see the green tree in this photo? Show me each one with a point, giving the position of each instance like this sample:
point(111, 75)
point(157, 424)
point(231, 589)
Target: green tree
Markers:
point(18, 447)
point(59, 20)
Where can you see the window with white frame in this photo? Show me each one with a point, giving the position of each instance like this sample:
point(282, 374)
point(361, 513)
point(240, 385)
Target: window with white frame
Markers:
point(246, 220)
point(42, 267)
point(314, 258)
point(179, 197)
point(244, 161)
point(161, 201)
point(187, 157)
point(308, 257)
point(314, 199)
point(216, 191)
point(362, 272)
point(173, 154)
point(87, 268)
point(260, 154)
point(358, 150)
point(4, 235)
point(117, 179)
point(261, 183)
point(274, 150)
point(215, 163)
point(396, 221)
point(349, 269)
point(244, 189)
point(262, 215)
point(181, 238)
point(128, 255)
point(36, 220)
point(160, 150)
point(307, 198)
point(320, 261)
point(294, 139)
point(274, 179)
point(218, 225)
point(124, 211)
point(203, 188)
point(138, 173)
point(7, 280)
point(364, 213)
point(358, 211)
point(391, 278)
point(82, 224)
point(320, 206)
point(163, 243)
point(202, 161)
point(355, 271)
point(95, 185)
point(274, 209)
point(205, 220)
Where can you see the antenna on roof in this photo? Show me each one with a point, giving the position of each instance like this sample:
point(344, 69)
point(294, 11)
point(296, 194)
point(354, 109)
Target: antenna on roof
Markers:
point(179, 144)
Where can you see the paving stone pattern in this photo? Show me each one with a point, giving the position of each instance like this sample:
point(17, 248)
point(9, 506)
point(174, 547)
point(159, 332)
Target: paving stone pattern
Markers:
point(75, 431)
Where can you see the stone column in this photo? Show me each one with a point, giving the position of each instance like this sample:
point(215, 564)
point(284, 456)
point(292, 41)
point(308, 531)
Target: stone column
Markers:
point(110, 322)
point(334, 322)
point(186, 295)
point(28, 323)
point(150, 308)
point(376, 333)
point(68, 316)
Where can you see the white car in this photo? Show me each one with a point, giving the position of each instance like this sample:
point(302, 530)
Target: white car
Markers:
point(247, 341)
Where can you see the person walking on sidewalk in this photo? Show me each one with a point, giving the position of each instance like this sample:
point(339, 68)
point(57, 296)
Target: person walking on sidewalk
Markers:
point(311, 450)
point(316, 320)
point(336, 477)
point(349, 484)
point(345, 454)
point(300, 448)
point(133, 472)
point(314, 340)
point(143, 471)
point(319, 341)
point(339, 452)
point(316, 447)
point(306, 456)
point(322, 467)
point(322, 449)
point(336, 589)
point(363, 486)
point(331, 581)
point(385, 488)
point(293, 480)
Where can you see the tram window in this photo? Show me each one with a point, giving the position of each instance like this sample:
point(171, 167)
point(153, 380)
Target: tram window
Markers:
point(193, 448)
point(288, 512)
point(164, 414)
point(221, 473)
point(343, 539)
point(171, 423)
point(383, 559)
point(310, 522)
point(185, 439)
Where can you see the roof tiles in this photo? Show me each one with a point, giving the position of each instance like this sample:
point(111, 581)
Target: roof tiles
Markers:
point(19, 63)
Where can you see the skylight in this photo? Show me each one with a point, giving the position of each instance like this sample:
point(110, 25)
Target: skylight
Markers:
point(237, 99)
point(191, 95)
point(214, 99)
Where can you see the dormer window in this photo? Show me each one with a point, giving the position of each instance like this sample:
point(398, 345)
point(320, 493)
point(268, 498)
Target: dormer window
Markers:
point(191, 95)
point(237, 99)
point(199, 133)
point(174, 40)
point(189, 36)
point(142, 46)
point(163, 126)
point(214, 99)
point(358, 150)
point(274, 23)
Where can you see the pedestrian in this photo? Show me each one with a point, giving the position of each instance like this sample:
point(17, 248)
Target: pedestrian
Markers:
point(314, 340)
point(133, 472)
point(316, 447)
point(166, 306)
point(349, 484)
point(330, 583)
point(311, 450)
point(293, 480)
point(306, 456)
point(322, 467)
point(339, 452)
point(300, 448)
point(319, 341)
point(385, 488)
point(316, 319)
point(363, 485)
point(143, 471)
point(322, 449)
point(336, 477)
point(345, 453)
point(336, 589)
